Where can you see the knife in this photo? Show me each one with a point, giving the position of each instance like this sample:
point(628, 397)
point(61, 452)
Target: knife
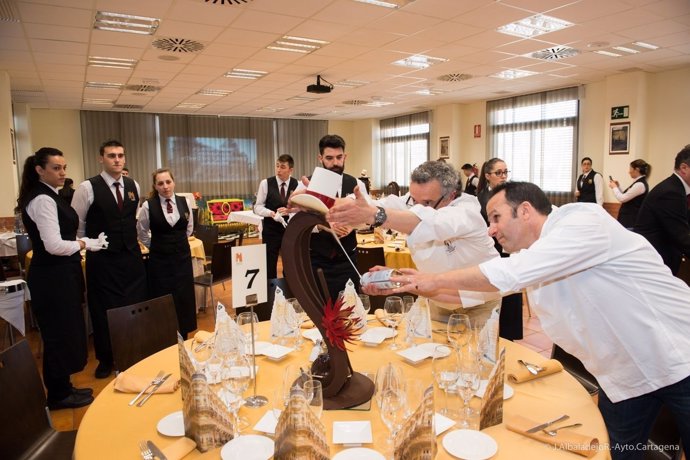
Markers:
point(541, 426)
point(156, 451)
point(153, 390)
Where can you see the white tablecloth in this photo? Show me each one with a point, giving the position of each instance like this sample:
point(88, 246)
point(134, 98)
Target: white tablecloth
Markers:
point(246, 217)
point(12, 303)
point(8, 244)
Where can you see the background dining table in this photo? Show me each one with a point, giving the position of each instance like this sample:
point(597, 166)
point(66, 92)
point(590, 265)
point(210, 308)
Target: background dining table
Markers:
point(394, 250)
point(112, 429)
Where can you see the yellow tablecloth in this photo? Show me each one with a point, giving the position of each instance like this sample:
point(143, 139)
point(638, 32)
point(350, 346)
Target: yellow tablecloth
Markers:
point(396, 257)
point(111, 429)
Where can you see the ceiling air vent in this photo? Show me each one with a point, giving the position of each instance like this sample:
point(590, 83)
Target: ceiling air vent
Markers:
point(305, 114)
point(27, 93)
point(355, 102)
point(128, 106)
point(555, 53)
point(229, 2)
point(455, 77)
point(177, 45)
point(8, 11)
point(143, 88)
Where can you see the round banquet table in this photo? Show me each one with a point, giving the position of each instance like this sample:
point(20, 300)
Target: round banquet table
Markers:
point(111, 429)
point(396, 256)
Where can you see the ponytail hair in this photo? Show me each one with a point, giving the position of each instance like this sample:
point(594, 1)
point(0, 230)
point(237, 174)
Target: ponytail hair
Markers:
point(30, 177)
point(486, 167)
point(642, 166)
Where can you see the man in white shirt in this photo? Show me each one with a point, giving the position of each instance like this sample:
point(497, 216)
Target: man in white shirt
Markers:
point(602, 293)
point(116, 276)
point(271, 204)
point(445, 232)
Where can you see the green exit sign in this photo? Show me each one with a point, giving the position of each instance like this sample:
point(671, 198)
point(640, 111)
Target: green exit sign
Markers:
point(620, 112)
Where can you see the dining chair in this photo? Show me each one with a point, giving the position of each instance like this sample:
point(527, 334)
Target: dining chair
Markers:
point(575, 367)
point(208, 234)
point(263, 310)
point(221, 269)
point(140, 330)
point(367, 258)
point(26, 431)
point(664, 440)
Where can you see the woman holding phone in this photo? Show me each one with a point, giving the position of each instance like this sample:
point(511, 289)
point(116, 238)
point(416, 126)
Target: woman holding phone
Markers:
point(632, 197)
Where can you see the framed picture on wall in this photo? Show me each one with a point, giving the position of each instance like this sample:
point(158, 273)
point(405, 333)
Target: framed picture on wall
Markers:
point(619, 139)
point(444, 147)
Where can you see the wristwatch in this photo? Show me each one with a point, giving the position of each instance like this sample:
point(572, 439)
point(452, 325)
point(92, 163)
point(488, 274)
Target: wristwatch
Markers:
point(380, 217)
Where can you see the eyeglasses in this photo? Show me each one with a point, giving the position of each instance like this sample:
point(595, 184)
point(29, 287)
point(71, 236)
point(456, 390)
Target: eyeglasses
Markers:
point(500, 173)
point(411, 202)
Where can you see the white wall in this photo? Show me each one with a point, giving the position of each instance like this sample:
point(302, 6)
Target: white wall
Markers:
point(9, 187)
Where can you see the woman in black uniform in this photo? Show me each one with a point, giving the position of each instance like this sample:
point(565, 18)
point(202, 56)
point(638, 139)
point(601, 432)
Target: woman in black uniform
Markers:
point(56, 280)
point(164, 225)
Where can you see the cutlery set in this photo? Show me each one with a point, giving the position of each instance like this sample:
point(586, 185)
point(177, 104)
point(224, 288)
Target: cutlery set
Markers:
point(532, 368)
point(149, 451)
point(151, 388)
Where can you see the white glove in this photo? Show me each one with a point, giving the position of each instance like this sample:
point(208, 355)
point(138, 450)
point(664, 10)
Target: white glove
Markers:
point(96, 244)
point(278, 218)
point(103, 240)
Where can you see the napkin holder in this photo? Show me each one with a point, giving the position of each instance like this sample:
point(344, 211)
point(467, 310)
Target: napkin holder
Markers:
point(344, 387)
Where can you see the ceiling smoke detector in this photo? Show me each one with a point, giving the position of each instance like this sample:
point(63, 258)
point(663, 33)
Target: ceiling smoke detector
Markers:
point(177, 45)
point(319, 88)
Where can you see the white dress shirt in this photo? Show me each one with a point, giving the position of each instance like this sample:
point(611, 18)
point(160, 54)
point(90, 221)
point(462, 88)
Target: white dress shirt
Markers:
point(636, 189)
point(604, 295)
point(43, 212)
point(260, 205)
point(144, 224)
point(83, 198)
point(598, 186)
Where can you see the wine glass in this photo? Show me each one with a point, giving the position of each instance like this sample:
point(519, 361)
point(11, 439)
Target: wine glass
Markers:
point(390, 397)
point(295, 319)
point(468, 383)
point(444, 364)
point(313, 391)
point(244, 322)
point(459, 329)
point(237, 378)
point(393, 307)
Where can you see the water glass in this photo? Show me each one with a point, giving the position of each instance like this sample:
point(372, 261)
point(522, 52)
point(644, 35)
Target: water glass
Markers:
point(244, 322)
point(445, 368)
point(313, 391)
point(468, 384)
point(295, 317)
point(393, 307)
point(459, 330)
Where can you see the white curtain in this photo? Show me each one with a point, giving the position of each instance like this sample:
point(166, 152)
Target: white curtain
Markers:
point(404, 146)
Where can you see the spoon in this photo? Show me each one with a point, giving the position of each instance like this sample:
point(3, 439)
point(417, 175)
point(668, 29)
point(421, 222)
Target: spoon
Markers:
point(554, 431)
point(532, 368)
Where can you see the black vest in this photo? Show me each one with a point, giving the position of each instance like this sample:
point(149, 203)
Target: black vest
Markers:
point(104, 215)
point(627, 214)
point(322, 244)
point(586, 187)
point(274, 201)
point(470, 188)
point(67, 219)
point(164, 238)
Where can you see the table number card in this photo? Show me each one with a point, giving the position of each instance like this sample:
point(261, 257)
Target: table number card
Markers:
point(491, 412)
point(248, 274)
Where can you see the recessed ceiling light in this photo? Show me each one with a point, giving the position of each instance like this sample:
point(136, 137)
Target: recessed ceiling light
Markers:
point(534, 26)
point(297, 44)
point(245, 73)
point(96, 101)
point(103, 85)
point(432, 91)
point(350, 83)
point(608, 53)
point(646, 45)
point(113, 63)
point(117, 22)
point(512, 74)
point(378, 103)
point(303, 99)
point(388, 3)
point(270, 109)
point(419, 61)
point(214, 92)
point(625, 49)
point(190, 105)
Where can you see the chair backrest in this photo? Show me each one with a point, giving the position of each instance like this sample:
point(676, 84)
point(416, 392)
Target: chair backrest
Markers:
point(208, 234)
point(575, 367)
point(263, 310)
point(221, 264)
point(23, 247)
point(141, 329)
point(24, 421)
point(369, 257)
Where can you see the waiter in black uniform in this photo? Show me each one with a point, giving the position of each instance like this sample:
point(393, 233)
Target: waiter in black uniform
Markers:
point(55, 279)
point(271, 204)
point(114, 277)
point(590, 184)
point(325, 252)
point(166, 216)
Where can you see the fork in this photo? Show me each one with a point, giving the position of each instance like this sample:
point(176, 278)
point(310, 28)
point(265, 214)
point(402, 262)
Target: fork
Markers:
point(146, 453)
point(155, 381)
point(532, 368)
point(554, 431)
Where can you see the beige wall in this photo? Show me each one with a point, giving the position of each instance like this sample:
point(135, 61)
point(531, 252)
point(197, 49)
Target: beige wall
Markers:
point(658, 102)
point(8, 168)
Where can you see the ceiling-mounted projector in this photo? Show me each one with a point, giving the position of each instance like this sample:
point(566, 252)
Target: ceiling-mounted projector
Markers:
point(318, 88)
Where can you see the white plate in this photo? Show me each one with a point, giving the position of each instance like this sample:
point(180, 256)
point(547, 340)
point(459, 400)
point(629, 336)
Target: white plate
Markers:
point(507, 390)
point(309, 202)
point(470, 445)
point(312, 334)
point(277, 352)
point(352, 432)
point(421, 352)
point(267, 423)
point(171, 424)
point(358, 453)
point(259, 347)
point(442, 423)
point(376, 335)
point(248, 447)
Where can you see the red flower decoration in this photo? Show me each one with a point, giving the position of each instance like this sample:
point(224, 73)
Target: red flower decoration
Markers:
point(339, 327)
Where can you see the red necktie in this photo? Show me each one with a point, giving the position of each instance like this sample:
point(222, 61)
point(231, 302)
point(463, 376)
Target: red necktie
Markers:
point(120, 204)
point(282, 192)
point(168, 205)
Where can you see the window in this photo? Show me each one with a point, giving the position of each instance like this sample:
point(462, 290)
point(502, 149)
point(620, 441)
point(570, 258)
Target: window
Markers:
point(404, 146)
point(536, 135)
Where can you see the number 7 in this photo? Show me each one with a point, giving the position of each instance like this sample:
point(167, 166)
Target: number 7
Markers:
point(253, 272)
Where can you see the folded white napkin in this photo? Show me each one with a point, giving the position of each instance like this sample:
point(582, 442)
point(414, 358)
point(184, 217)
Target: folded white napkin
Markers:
point(281, 315)
point(419, 319)
point(351, 298)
